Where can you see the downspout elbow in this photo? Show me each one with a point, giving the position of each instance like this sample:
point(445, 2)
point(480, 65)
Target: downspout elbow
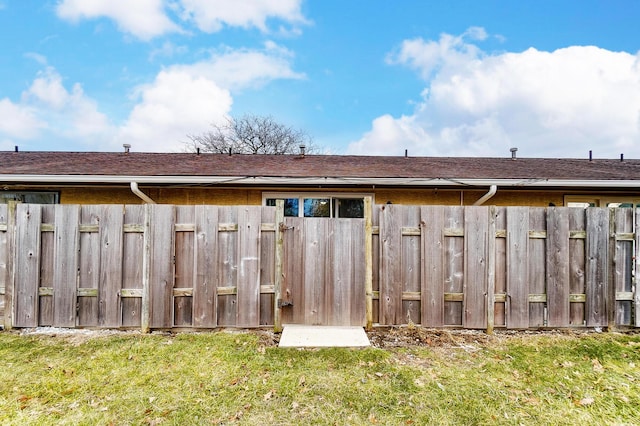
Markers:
point(492, 191)
point(144, 197)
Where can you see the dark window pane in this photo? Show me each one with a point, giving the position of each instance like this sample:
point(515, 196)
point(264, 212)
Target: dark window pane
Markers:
point(290, 206)
point(29, 197)
point(317, 207)
point(349, 207)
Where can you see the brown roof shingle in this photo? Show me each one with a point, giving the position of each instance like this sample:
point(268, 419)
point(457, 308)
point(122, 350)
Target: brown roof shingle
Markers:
point(294, 166)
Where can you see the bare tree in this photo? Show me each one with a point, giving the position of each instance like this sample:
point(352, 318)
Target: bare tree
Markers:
point(252, 134)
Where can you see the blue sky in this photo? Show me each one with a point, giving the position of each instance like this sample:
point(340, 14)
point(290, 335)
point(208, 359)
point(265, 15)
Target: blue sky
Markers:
point(553, 78)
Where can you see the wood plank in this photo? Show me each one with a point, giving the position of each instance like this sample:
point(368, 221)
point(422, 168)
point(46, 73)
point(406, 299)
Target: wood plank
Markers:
point(132, 256)
point(558, 264)
point(9, 285)
point(411, 273)
point(227, 265)
point(476, 221)
point(391, 264)
point(279, 269)
point(316, 235)
point(205, 295)
point(111, 251)
point(375, 263)
point(357, 271)
point(65, 269)
point(432, 220)
point(499, 314)
point(454, 259)
point(89, 266)
point(4, 250)
point(161, 279)
point(577, 260)
point(47, 243)
point(491, 269)
point(637, 268)
point(293, 269)
point(517, 267)
point(267, 264)
point(597, 273)
point(368, 262)
point(537, 263)
point(623, 265)
point(248, 284)
point(27, 267)
point(338, 283)
point(184, 261)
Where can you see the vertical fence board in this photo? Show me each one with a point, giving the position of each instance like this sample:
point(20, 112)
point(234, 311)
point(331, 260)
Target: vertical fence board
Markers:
point(293, 287)
point(501, 267)
point(517, 267)
point(184, 259)
point(375, 264)
point(205, 288)
point(411, 272)
point(47, 243)
point(491, 270)
point(248, 307)
point(316, 233)
point(65, 269)
point(227, 266)
point(89, 266)
point(133, 254)
point(432, 225)
point(338, 284)
point(27, 264)
point(597, 272)
point(391, 264)
point(558, 282)
point(4, 259)
point(623, 265)
point(162, 229)
point(357, 272)
point(476, 220)
point(577, 265)
point(537, 268)
point(111, 266)
point(454, 265)
point(637, 268)
point(267, 267)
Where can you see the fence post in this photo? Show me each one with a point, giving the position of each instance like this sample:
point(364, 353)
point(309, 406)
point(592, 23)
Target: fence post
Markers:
point(636, 257)
point(611, 280)
point(368, 261)
point(145, 313)
point(491, 270)
point(9, 289)
point(279, 256)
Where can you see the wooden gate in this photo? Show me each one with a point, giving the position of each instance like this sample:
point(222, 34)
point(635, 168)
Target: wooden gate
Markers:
point(323, 272)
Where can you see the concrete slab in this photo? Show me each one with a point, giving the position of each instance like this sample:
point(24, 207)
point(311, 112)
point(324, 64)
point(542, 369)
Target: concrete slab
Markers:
point(304, 336)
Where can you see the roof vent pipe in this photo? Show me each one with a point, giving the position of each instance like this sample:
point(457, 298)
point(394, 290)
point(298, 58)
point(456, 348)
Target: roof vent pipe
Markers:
point(144, 197)
point(590, 155)
point(513, 152)
point(16, 148)
point(492, 191)
point(127, 147)
point(621, 157)
point(302, 149)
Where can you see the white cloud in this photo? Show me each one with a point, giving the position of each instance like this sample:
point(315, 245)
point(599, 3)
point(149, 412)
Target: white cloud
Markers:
point(144, 19)
point(18, 121)
point(212, 15)
point(560, 103)
point(175, 104)
point(245, 68)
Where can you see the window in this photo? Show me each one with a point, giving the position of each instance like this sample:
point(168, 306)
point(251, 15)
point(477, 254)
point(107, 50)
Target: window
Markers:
point(29, 197)
point(604, 201)
point(318, 204)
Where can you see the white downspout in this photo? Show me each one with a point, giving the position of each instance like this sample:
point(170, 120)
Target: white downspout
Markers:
point(485, 197)
point(144, 197)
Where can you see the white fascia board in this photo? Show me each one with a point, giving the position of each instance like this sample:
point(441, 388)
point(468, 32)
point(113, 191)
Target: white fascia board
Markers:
point(338, 181)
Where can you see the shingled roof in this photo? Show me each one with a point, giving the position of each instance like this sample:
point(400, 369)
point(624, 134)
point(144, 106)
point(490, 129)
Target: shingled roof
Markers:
point(13, 165)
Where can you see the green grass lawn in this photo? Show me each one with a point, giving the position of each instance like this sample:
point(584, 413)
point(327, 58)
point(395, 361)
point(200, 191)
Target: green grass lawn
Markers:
point(242, 378)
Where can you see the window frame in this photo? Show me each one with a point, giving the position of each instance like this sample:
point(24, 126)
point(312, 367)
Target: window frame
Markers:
point(319, 195)
point(55, 194)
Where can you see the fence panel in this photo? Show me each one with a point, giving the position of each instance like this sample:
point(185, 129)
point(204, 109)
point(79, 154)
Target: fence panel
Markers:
point(210, 266)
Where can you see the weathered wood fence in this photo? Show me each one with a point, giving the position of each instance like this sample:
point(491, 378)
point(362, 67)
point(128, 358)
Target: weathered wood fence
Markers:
point(164, 266)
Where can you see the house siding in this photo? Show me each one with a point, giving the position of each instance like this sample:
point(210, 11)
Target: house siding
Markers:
point(253, 196)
